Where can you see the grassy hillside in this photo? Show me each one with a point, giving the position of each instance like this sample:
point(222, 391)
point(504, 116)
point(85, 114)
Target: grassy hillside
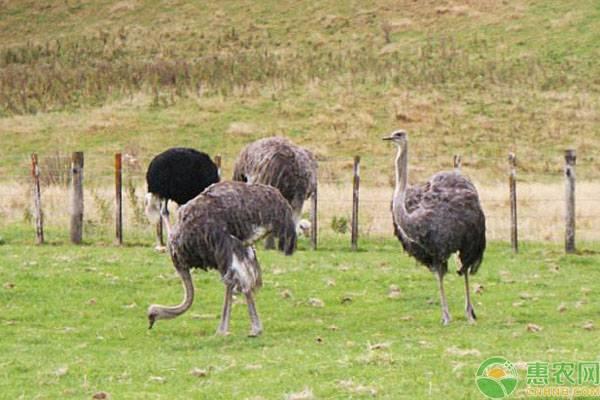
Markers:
point(477, 78)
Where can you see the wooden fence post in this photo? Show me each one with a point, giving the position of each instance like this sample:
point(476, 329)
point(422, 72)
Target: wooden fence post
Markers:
point(77, 197)
point(218, 164)
point(37, 200)
point(355, 189)
point(313, 218)
point(570, 158)
point(512, 184)
point(118, 199)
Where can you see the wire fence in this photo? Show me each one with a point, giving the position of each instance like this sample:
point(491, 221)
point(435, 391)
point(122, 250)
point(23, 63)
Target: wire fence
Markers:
point(540, 203)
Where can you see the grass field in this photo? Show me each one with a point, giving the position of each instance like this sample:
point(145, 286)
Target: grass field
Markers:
point(476, 78)
point(73, 323)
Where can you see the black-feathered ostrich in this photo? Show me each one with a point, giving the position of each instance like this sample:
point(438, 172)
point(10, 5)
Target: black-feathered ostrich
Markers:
point(177, 174)
point(438, 218)
point(217, 230)
point(277, 162)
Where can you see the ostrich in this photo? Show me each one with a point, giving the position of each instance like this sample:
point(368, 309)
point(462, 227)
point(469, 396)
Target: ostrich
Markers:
point(216, 230)
point(436, 219)
point(177, 174)
point(277, 162)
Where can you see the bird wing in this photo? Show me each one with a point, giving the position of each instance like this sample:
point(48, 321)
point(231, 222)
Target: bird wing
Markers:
point(414, 196)
point(278, 162)
point(449, 215)
point(250, 211)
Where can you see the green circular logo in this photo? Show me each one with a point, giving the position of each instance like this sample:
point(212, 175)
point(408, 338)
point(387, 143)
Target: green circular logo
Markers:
point(496, 378)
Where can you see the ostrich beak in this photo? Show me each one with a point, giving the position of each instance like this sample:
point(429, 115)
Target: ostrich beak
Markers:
point(387, 138)
point(151, 321)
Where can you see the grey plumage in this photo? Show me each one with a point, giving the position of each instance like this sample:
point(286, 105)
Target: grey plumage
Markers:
point(277, 162)
point(438, 218)
point(216, 230)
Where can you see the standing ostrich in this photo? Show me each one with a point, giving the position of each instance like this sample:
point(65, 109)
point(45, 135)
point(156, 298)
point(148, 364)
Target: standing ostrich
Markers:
point(436, 219)
point(277, 162)
point(216, 230)
point(177, 174)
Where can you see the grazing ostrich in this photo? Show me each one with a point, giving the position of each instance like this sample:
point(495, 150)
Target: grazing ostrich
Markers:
point(177, 174)
point(216, 230)
point(277, 162)
point(436, 219)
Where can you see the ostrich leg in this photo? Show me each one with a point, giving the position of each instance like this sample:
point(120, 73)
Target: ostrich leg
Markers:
point(164, 212)
point(469, 311)
point(160, 243)
point(226, 314)
point(444, 303)
point(256, 326)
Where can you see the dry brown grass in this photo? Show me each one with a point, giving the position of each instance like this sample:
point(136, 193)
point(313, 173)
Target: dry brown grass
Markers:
point(99, 205)
point(540, 209)
point(242, 128)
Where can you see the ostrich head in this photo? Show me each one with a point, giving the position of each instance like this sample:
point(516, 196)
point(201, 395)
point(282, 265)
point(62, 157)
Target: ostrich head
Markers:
point(153, 315)
point(152, 207)
point(304, 227)
point(399, 137)
point(156, 312)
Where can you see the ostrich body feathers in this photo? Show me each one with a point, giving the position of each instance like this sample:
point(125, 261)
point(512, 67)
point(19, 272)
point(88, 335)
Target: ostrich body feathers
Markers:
point(218, 227)
point(445, 217)
point(180, 174)
point(279, 163)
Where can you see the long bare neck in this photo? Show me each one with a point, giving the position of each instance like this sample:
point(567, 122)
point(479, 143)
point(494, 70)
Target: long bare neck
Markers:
point(401, 181)
point(164, 312)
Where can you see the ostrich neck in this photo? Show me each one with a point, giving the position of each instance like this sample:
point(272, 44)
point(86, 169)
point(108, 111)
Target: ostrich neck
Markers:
point(399, 203)
point(172, 312)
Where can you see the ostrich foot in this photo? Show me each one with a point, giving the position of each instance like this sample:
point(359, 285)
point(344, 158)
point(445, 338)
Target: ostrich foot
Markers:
point(446, 318)
point(223, 332)
point(470, 313)
point(255, 331)
point(160, 248)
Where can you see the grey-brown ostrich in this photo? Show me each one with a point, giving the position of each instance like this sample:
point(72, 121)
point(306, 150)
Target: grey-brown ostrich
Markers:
point(216, 230)
point(436, 219)
point(277, 162)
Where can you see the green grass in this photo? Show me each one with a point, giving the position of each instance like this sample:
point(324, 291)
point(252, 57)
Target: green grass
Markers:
point(73, 323)
point(137, 77)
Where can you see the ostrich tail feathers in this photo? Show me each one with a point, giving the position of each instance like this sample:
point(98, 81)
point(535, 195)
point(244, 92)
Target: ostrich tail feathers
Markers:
point(472, 256)
point(475, 266)
point(288, 238)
